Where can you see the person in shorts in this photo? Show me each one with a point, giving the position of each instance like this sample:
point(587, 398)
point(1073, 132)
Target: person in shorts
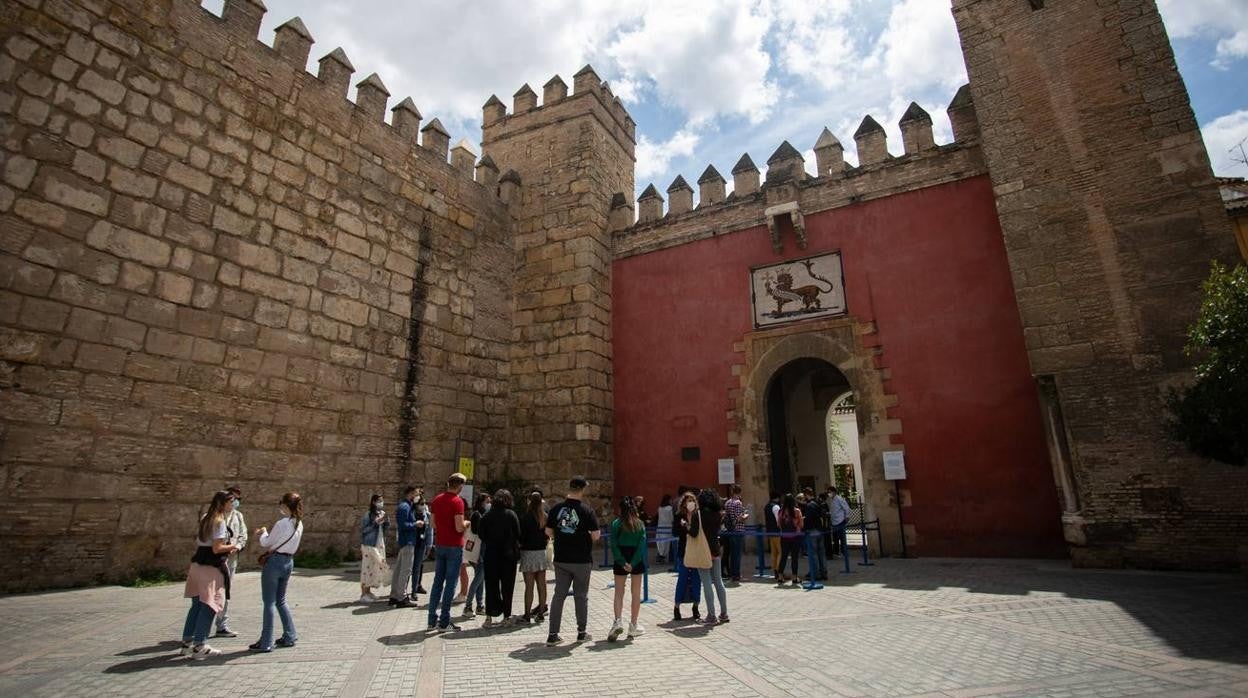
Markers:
point(628, 553)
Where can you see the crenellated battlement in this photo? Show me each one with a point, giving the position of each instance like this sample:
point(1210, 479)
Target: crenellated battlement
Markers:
point(282, 67)
point(923, 163)
point(589, 94)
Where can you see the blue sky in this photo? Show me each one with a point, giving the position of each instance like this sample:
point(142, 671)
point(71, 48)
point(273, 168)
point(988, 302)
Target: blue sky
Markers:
point(707, 80)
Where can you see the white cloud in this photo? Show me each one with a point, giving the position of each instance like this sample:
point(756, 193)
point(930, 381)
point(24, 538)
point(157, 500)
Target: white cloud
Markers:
point(920, 48)
point(1222, 138)
point(817, 41)
point(654, 158)
point(1224, 20)
point(704, 57)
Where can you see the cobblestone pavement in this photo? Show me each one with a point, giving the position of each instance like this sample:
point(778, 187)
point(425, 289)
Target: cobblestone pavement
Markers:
point(900, 628)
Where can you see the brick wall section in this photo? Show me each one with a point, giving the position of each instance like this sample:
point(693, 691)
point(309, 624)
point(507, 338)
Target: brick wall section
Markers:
point(572, 155)
point(210, 265)
point(1110, 216)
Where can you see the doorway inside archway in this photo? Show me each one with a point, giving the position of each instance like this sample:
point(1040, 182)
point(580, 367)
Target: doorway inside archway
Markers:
point(812, 429)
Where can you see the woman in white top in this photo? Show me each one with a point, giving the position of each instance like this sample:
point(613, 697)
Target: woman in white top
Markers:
point(664, 526)
point(281, 543)
point(208, 579)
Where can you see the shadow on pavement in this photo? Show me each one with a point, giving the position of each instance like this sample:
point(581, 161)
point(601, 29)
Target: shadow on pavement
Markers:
point(170, 660)
point(539, 652)
point(166, 646)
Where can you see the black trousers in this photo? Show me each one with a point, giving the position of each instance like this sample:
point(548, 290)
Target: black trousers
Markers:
point(500, 584)
point(790, 549)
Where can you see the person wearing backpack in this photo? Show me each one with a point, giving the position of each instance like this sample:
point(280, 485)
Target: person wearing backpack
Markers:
point(791, 524)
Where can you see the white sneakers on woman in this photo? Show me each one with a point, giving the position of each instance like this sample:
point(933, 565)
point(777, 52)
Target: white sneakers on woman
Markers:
point(617, 628)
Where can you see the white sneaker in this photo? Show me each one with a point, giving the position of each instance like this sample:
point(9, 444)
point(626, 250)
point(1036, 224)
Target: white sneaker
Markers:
point(468, 612)
point(186, 649)
point(635, 629)
point(616, 628)
point(367, 598)
point(205, 651)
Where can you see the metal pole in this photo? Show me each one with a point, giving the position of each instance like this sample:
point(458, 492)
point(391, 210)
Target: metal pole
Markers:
point(645, 575)
point(900, 521)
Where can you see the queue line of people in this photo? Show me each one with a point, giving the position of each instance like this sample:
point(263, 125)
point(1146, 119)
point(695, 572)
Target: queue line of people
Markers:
point(503, 539)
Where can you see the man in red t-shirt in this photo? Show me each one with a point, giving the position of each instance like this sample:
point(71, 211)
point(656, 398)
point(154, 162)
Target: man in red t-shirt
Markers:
point(448, 541)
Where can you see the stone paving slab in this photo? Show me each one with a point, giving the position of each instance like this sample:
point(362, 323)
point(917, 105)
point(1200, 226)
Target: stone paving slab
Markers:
point(957, 628)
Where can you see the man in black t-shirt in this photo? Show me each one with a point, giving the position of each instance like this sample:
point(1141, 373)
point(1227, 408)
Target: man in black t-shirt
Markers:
point(573, 527)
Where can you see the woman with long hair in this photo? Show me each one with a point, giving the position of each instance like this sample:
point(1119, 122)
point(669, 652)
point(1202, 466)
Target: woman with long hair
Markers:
point(280, 545)
point(711, 519)
point(476, 590)
point(663, 524)
point(688, 590)
point(500, 535)
point(374, 572)
point(791, 524)
point(533, 564)
point(628, 553)
point(208, 579)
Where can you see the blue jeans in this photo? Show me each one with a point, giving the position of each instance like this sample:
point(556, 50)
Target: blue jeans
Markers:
point(712, 586)
point(198, 621)
point(818, 565)
point(446, 562)
point(273, 581)
point(476, 588)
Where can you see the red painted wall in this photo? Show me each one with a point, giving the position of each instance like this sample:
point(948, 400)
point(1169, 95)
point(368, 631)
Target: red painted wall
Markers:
point(929, 268)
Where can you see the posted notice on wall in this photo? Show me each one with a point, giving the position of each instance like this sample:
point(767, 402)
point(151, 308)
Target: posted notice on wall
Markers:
point(894, 465)
point(727, 471)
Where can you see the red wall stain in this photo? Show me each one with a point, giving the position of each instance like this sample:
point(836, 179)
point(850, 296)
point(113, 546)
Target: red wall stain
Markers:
point(929, 267)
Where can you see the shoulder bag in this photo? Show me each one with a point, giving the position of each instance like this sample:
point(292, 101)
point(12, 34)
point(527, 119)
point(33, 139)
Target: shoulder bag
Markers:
point(264, 556)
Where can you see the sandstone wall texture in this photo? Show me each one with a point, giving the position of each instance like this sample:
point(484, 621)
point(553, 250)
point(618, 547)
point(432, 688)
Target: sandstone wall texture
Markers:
point(1111, 217)
point(217, 269)
point(573, 154)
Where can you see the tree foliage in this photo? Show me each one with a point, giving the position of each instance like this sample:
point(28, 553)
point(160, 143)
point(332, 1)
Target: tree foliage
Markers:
point(1211, 416)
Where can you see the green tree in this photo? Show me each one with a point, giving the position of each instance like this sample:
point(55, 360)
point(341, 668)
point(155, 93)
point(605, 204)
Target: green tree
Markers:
point(1211, 416)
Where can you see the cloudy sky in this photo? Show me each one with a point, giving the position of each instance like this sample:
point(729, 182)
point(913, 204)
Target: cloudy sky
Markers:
point(709, 79)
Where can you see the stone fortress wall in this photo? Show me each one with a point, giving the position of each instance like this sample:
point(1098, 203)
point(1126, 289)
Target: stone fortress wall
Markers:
point(216, 269)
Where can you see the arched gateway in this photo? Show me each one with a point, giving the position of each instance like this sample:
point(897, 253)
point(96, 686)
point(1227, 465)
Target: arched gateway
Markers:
point(779, 361)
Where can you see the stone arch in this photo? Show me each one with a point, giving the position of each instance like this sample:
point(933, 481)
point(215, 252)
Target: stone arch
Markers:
point(839, 343)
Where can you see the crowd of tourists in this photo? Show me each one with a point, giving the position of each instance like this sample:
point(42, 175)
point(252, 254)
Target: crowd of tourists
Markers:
point(496, 535)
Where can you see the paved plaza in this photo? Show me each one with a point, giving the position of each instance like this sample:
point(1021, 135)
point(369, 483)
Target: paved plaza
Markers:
point(900, 628)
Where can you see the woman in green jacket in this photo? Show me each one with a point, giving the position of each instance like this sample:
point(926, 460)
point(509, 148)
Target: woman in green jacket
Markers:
point(628, 552)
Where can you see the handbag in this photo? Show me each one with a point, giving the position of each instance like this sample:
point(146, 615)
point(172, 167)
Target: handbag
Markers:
point(550, 553)
point(697, 551)
point(264, 556)
point(472, 548)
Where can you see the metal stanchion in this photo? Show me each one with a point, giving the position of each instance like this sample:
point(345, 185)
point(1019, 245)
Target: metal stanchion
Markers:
point(645, 575)
point(762, 561)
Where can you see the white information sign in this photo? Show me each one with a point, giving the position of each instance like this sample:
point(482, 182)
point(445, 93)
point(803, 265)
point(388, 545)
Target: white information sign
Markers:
point(466, 493)
point(894, 465)
point(727, 471)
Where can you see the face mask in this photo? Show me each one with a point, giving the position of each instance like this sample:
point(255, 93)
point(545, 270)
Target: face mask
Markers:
point(238, 503)
point(691, 506)
point(487, 506)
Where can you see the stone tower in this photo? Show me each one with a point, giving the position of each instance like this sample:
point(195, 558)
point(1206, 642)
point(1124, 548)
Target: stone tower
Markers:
point(1111, 217)
point(566, 159)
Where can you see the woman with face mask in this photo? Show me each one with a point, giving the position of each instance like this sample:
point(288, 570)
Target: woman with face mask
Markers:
point(282, 544)
point(374, 572)
point(688, 587)
point(476, 590)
